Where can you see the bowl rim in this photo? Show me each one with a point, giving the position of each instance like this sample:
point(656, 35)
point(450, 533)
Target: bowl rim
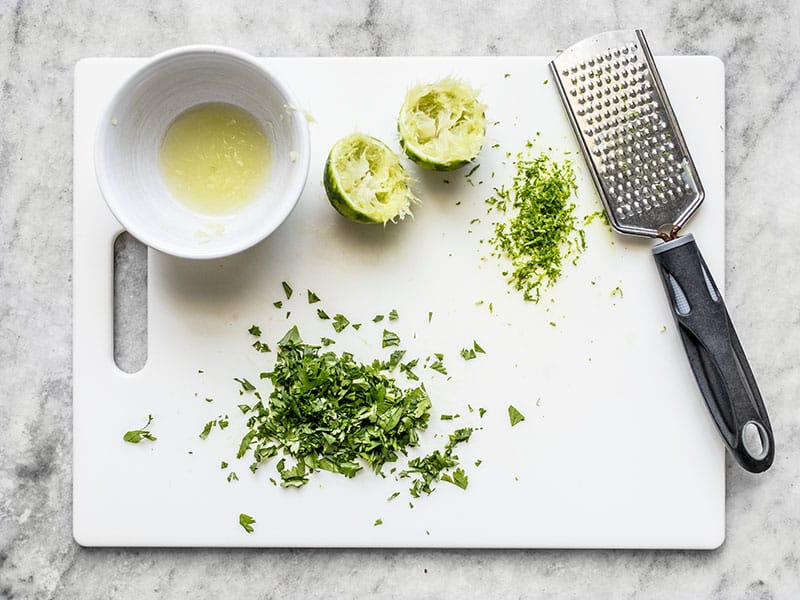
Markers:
point(296, 184)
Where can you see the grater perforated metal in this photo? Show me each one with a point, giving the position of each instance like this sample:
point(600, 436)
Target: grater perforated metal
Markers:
point(648, 183)
point(629, 134)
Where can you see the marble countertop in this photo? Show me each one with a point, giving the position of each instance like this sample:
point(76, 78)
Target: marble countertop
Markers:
point(40, 41)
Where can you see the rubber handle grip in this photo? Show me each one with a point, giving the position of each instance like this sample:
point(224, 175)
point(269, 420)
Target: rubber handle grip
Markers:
point(715, 354)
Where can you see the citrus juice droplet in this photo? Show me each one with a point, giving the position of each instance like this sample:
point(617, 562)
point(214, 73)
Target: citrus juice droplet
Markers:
point(215, 158)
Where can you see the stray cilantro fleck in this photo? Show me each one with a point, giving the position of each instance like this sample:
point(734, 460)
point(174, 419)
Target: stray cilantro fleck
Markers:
point(430, 316)
point(390, 338)
point(287, 289)
point(278, 304)
point(377, 318)
point(232, 476)
point(356, 326)
point(393, 496)
point(514, 415)
point(137, 435)
point(477, 347)
point(467, 353)
point(340, 322)
point(246, 521)
point(438, 365)
point(322, 314)
point(472, 170)
point(254, 330)
point(393, 316)
point(326, 341)
point(207, 429)
point(246, 385)
point(223, 465)
point(478, 462)
point(617, 291)
point(209, 399)
point(481, 412)
point(261, 346)
point(312, 297)
point(378, 522)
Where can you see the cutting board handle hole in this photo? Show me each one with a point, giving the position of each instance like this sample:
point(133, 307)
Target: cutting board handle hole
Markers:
point(130, 303)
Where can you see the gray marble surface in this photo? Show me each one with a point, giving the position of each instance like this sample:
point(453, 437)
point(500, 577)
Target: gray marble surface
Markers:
point(40, 41)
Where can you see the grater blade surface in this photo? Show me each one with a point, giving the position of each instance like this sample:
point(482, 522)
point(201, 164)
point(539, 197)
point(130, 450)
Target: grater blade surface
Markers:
point(628, 133)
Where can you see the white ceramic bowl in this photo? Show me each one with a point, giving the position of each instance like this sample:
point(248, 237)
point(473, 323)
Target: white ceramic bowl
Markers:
point(131, 132)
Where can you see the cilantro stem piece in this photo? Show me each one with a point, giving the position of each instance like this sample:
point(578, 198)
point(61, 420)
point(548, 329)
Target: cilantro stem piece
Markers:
point(514, 415)
point(246, 521)
point(542, 230)
point(137, 435)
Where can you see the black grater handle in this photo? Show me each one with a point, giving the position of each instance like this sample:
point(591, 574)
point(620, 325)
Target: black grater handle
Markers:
point(715, 354)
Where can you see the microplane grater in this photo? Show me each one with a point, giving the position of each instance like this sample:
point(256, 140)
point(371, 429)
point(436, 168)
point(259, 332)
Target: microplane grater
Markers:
point(649, 185)
point(629, 134)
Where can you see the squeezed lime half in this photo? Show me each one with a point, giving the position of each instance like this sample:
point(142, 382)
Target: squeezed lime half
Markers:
point(366, 182)
point(442, 125)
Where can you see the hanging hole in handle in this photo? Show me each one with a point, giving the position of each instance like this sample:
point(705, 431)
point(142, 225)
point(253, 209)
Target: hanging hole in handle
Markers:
point(755, 440)
point(130, 303)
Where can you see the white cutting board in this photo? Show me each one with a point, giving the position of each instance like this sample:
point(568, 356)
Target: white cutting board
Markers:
point(616, 450)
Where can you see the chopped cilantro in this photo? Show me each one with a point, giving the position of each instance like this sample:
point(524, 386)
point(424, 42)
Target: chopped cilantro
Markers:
point(514, 415)
point(477, 348)
point(278, 304)
point(430, 316)
point(437, 465)
point(137, 435)
point(617, 291)
point(377, 318)
point(378, 522)
point(322, 314)
point(393, 316)
point(232, 476)
point(261, 346)
point(481, 412)
point(438, 365)
point(246, 521)
point(393, 496)
point(209, 399)
point(287, 289)
point(478, 462)
point(472, 170)
point(327, 411)
point(254, 330)
point(467, 353)
point(390, 338)
point(223, 465)
point(326, 341)
point(340, 322)
point(207, 429)
point(312, 297)
point(356, 326)
point(246, 385)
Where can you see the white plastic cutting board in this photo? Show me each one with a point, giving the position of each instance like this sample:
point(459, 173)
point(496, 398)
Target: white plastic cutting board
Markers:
point(616, 450)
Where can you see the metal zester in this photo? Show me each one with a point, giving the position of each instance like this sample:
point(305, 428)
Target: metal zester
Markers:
point(649, 186)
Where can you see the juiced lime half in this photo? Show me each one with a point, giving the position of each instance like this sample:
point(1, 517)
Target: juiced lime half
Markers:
point(442, 125)
point(366, 182)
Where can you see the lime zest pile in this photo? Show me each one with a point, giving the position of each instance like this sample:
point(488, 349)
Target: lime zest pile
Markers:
point(327, 411)
point(542, 231)
point(442, 125)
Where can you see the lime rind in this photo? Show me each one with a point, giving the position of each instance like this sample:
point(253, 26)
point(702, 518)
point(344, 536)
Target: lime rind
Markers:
point(366, 182)
point(442, 125)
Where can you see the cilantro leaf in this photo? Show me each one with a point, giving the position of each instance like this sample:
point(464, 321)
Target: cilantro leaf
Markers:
point(390, 338)
point(514, 415)
point(246, 521)
point(340, 322)
point(137, 435)
point(207, 429)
